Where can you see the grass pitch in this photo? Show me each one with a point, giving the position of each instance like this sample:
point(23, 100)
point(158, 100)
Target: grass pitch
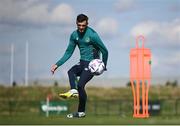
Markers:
point(88, 120)
point(21, 107)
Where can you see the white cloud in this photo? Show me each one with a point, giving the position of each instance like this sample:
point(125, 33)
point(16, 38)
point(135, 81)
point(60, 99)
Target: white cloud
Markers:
point(124, 5)
point(62, 13)
point(173, 60)
point(35, 12)
point(166, 65)
point(107, 26)
point(164, 38)
point(8, 9)
point(144, 28)
point(169, 31)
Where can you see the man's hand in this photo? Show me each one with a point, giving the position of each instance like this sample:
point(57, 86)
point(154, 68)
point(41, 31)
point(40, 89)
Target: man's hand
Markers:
point(53, 68)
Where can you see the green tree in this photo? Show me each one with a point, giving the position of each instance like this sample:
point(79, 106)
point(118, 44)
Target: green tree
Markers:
point(175, 83)
point(55, 83)
point(128, 84)
point(168, 83)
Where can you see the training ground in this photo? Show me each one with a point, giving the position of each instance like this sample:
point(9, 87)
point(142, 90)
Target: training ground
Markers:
point(21, 105)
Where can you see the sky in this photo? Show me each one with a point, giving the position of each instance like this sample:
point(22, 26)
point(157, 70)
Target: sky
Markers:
point(47, 24)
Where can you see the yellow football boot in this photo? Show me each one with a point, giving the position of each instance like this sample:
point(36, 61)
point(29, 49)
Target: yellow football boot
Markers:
point(73, 93)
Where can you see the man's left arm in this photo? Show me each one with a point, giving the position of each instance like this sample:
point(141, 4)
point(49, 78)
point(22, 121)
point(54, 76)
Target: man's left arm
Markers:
point(98, 42)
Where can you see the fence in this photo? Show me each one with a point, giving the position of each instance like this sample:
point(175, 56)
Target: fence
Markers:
point(94, 107)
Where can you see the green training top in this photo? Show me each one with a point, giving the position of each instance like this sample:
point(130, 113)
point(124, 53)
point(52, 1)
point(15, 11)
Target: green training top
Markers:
point(90, 46)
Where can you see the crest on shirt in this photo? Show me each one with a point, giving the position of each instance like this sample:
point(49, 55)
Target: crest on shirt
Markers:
point(87, 39)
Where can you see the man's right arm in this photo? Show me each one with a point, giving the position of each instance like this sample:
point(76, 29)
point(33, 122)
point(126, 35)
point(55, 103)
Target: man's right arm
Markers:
point(68, 53)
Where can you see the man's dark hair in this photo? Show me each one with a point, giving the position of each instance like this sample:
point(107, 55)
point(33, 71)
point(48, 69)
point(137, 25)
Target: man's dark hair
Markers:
point(81, 18)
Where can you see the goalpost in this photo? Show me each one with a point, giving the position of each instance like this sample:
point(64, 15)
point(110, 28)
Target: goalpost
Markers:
point(26, 64)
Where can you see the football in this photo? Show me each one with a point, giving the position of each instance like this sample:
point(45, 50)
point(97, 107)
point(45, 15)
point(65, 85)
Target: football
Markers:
point(96, 67)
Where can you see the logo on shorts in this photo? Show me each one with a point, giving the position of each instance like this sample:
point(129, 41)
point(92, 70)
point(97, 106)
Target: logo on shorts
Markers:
point(77, 38)
point(86, 69)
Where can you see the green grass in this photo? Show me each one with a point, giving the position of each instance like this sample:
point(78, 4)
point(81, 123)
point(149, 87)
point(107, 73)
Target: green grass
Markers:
point(39, 92)
point(62, 120)
point(20, 105)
